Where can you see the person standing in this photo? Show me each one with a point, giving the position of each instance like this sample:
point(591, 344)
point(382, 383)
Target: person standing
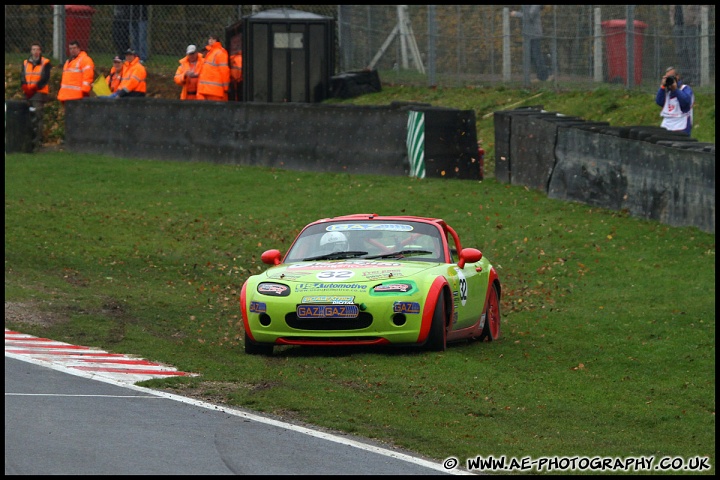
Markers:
point(677, 101)
point(133, 77)
point(138, 30)
point(34, 82)
point(121, 27)
point(685, 23)
point(115, 77)
point(188, 72)
point(36, 75)
point(214, 79)
point(236, 77)
point(532, 31)
point(78, 74)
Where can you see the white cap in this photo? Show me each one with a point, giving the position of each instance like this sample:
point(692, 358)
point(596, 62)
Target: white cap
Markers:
point(191, 49)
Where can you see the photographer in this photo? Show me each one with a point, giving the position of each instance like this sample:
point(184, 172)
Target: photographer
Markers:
point(677, 101)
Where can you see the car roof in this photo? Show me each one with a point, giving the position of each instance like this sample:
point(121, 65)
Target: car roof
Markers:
point(376, 217)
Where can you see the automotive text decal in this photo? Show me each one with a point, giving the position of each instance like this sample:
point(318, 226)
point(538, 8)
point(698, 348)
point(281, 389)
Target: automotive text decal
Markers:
point(351, 287)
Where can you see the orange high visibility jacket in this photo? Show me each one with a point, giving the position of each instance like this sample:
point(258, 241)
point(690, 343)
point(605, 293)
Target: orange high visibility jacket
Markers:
point(77, 77)
point(133, 77)
point(113, 80)
point(36, 74)
point(189, 84)
point(236, 74)
point(214, 77)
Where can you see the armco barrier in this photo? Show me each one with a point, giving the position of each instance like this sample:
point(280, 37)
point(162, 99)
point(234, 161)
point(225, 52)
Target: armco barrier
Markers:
point(296, 136)
point(652, 174)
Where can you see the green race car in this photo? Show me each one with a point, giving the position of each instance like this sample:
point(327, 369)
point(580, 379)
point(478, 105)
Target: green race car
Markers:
point(367, 279)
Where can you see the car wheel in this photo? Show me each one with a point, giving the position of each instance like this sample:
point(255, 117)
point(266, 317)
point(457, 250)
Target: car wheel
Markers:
point(437, 341)
point(491, 329)
point(253, 348)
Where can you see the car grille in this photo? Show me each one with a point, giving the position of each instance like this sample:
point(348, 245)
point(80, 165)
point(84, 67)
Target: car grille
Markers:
point(363, 320)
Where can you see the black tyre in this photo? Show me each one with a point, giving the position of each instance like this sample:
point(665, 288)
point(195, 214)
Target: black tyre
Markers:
point(491, 329)
point(252, 348)
point(437, 340)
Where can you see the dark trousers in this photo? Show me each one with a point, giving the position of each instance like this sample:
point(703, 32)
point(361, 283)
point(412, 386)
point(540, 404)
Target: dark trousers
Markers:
point(37, 112)
point(538, 60)
point(687, 51)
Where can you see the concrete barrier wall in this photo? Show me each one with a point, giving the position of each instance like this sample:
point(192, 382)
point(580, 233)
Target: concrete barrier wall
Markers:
point(298, 136)
point(672, 185)
point(652, 174)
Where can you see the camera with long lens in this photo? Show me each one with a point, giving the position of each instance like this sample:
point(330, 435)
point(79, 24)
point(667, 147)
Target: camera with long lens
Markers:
point(669, 81)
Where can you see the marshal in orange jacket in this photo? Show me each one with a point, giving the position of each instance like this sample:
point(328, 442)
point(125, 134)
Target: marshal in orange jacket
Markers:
point(77, 78)
point(214, 79)
point(185, 75)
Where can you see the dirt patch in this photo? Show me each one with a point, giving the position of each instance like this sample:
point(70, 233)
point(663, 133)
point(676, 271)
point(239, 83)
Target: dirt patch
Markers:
point(216, 393)
point(31, 313)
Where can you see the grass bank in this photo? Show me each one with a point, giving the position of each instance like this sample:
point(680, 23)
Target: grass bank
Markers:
point(608, 320)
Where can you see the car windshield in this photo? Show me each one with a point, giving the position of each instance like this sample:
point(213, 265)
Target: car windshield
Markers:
point(368, 239)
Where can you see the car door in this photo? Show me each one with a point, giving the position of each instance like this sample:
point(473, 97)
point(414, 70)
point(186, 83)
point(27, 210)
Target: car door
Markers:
point(469, 289)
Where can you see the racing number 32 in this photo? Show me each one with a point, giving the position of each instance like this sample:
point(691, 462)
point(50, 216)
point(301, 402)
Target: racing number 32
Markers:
point(462, 283)
point(339, 274)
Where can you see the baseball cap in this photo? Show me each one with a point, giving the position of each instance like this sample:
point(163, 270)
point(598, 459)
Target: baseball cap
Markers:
point(129, 51)
point(191, 49)
point(117, 58)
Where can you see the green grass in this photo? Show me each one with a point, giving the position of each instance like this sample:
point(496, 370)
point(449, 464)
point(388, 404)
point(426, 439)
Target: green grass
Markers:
point(608, 344)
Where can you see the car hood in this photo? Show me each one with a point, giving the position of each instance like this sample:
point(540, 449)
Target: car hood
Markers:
point(354, 271)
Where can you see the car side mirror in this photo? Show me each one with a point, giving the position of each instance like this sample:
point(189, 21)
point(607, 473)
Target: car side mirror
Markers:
point(271, 257)
point(469, 255)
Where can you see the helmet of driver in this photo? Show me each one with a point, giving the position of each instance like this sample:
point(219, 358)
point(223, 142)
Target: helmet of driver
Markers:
point(334, 242)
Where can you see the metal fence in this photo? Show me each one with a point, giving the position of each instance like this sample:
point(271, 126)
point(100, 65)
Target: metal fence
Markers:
point(450, 45)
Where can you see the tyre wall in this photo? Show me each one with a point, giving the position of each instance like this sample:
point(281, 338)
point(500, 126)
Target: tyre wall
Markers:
point(18, 127)
point(647, 171)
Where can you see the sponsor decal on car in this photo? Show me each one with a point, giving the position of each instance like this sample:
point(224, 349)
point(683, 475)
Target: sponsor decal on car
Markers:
point(258, 307)
point(307, 287)
point(406, 307)
point(275, 289)
point(386, 227)
point(327, 311)
point(377, 274)
point(332, 299)
point(393, 287)
point(343, 264)
point(284, 275)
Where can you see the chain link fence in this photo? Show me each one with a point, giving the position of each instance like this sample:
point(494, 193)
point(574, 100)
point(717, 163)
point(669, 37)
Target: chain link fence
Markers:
point(451, 45)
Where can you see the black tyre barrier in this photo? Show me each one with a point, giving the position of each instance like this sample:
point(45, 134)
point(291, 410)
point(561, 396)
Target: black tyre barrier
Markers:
point(18, 127)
